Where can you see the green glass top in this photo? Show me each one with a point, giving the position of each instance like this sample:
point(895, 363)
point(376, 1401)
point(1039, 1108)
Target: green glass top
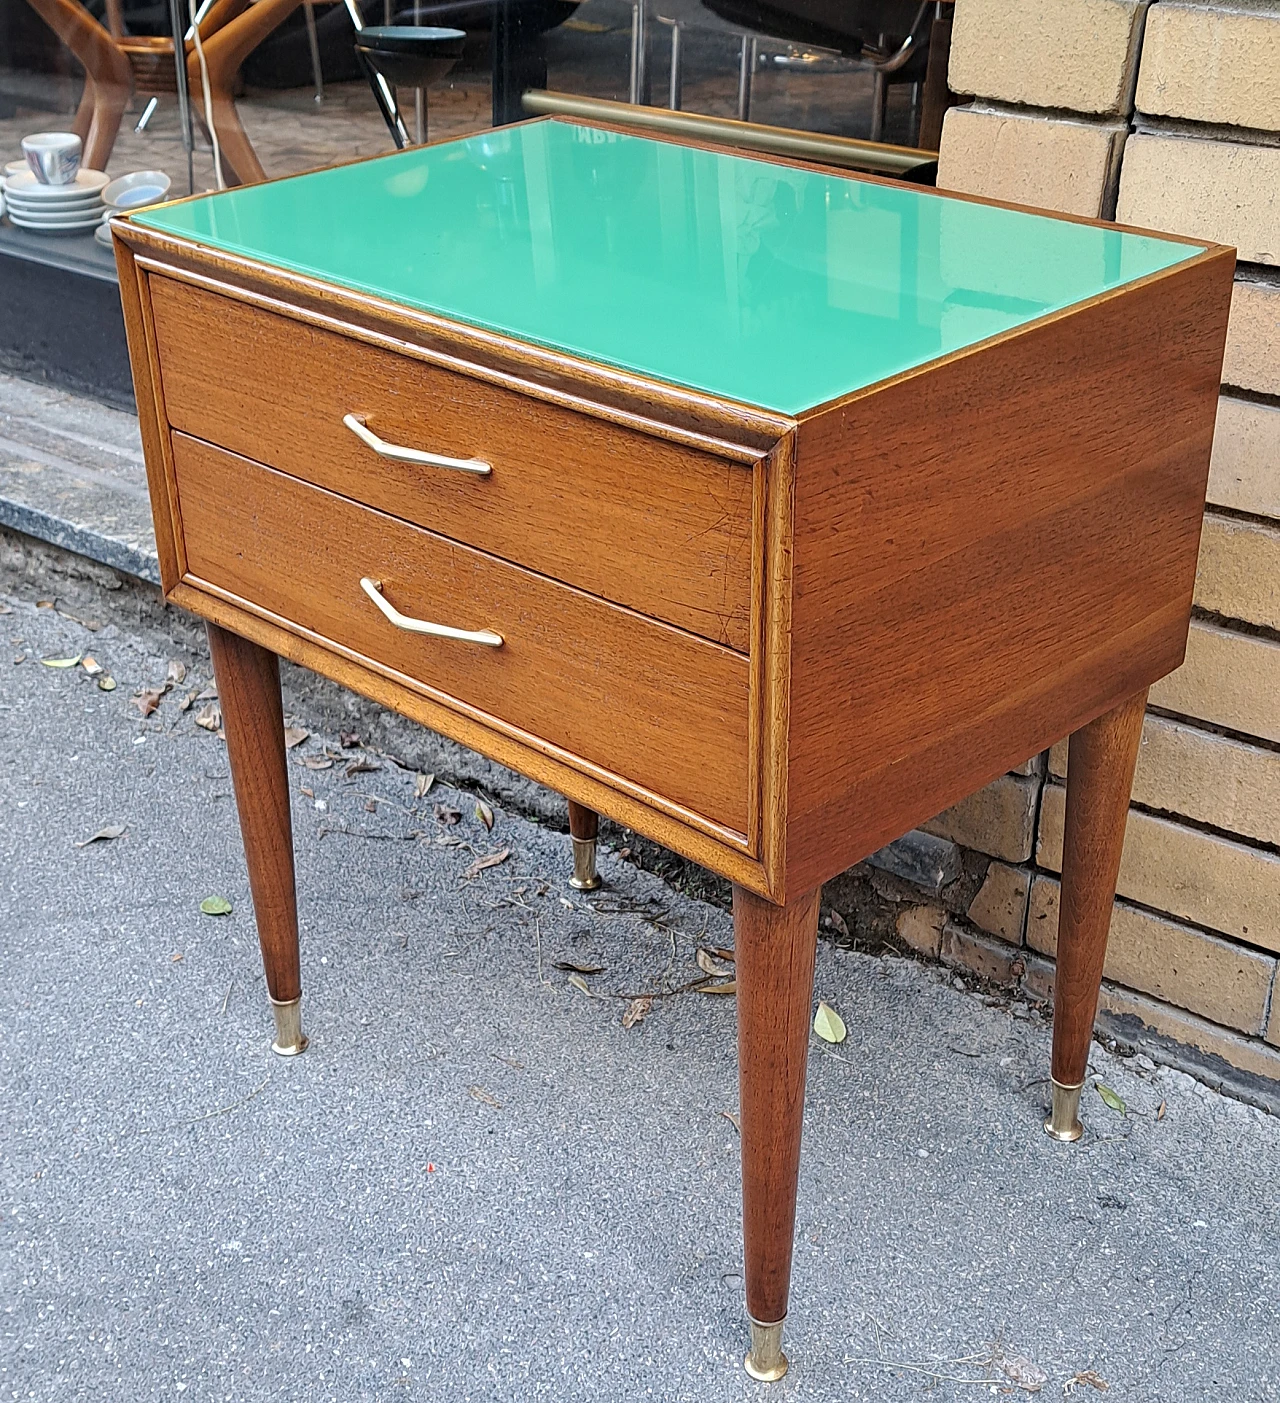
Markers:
point(777, 286)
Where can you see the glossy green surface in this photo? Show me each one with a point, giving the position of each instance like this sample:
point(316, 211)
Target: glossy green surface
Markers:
point(774, 285)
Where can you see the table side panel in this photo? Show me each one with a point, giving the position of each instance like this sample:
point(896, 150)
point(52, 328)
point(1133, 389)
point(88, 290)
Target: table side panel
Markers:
point(659, 707)
point(990, 553)
point(645, 522)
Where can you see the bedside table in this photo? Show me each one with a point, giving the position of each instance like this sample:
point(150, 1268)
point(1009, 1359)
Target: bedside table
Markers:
point(765, 509)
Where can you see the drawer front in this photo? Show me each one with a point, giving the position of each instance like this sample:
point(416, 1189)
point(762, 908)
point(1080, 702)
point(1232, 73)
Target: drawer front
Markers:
point(648, 702)
point(655, 525)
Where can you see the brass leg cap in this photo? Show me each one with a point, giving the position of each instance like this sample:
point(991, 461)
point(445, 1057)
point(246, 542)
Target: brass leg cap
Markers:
point(585, 877)
point(290, 1039)
point(1063, 1121)
point(766, 1361)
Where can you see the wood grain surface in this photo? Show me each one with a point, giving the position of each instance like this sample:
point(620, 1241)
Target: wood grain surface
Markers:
point(636, 519)
point(1100, 767)
point(989, 553)
point(248, 679)
point(774, 950)
point(664, 709)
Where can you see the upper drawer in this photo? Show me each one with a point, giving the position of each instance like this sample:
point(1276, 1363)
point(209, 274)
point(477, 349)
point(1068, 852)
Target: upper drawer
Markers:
point(656, 525)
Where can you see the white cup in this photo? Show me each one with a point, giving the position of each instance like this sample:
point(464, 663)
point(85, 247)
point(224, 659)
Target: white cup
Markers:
point(53, 157)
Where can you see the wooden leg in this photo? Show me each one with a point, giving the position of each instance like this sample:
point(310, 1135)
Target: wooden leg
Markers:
point(584, 826)
point(1099, 777)
point(774, 947)
point(225, 50)
point(248, 680)
point(108, 77)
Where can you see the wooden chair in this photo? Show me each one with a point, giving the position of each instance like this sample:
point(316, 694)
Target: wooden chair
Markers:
point(117, 65)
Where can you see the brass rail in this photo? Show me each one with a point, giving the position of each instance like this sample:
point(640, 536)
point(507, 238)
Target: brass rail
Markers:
point(751, 136)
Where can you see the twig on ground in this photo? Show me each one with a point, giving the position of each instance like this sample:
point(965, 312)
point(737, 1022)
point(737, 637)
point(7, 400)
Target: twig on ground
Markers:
point(210, 1115)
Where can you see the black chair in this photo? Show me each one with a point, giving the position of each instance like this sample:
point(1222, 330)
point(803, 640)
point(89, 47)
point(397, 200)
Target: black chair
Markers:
point(404, 55)
point(892, 36)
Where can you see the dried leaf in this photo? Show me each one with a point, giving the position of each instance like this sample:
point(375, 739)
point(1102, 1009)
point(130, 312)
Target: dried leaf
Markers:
point(185, 703)
point(210, 693)
point(5, 608)
point(176, 674)
point(1093, 1380)
point(721, 952)
point(316, 762)
point(709, 964)
point(361, 767)
point(485, 1099)
point(215, 906)
point(92, 666)
point(1024, 1373)
point(734, 1120)
point(148, 700)
point(1160, 1110)
point(106, 684)
point(576, 968)
point(176, 959)
point(61, 662)
point(448, 816)
point(580, 984)
point(838, 924)
point(730, 986)
point(484, 813)
point(45, 603)
point(209, 717)
point(294, 736)
point(422, 785)
point(482, 863)
point(637, 1011)
point(103, 835)
point(828, 1024)
point(1109, 1098)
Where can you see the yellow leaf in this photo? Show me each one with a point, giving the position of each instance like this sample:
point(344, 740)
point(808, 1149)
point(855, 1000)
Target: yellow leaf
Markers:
point(828, 1024)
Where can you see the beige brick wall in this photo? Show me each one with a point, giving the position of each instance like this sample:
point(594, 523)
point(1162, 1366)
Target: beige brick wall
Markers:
point(1168, 117)
point(999, 819)
point(1215, 978)
point(1231, 679)
point(1239, 570)
point(1217, 64)
point(1244, 470)
point(1076, 54)
point(1223, 191)
point(1253, 337)
point(1211, 779)
point(1200, 877)
point(1031, 159)
point(1000, 906)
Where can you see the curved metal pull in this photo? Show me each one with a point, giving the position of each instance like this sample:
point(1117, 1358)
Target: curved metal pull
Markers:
point(485, 637)
point(412, 455)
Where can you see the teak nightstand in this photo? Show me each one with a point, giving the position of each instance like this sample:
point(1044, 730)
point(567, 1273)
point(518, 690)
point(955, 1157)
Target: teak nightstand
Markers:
point(767, 510)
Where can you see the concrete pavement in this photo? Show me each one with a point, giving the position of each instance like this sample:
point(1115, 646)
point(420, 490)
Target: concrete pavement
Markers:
point(477, 1184)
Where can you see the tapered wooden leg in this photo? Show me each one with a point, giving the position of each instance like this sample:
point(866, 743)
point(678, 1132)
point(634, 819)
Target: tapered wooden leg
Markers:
point(584, 827)
point(248, 680)
point(1099, 777)
point(774, 950)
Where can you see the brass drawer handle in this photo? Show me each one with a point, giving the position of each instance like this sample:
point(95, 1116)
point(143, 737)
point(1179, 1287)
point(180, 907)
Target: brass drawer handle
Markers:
point(412, 455)
point(484, 636)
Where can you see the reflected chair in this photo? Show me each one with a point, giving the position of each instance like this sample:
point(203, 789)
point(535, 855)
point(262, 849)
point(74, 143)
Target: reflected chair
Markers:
point(404, 55)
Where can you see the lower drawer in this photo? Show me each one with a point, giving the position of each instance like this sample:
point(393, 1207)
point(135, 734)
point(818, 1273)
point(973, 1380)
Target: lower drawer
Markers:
point(658, 707)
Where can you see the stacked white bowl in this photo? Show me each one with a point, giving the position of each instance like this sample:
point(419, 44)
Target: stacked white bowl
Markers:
point(48, 193)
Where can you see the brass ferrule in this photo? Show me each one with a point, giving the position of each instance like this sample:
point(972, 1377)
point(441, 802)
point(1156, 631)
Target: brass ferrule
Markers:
point(585, 877)
point(766, 1361)
point(290, 1039)
point(1063, 1122)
